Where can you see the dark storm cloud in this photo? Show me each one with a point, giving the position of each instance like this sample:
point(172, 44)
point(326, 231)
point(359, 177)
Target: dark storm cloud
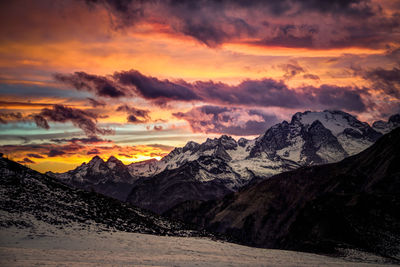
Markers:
point(153, 88)
point(291, 23)
point(386, 80)
point(227, 120)
point(33, 155)
point(271, 93)
point(336, 97)
point(101, 86)
point(263, 93)
point(80, 118)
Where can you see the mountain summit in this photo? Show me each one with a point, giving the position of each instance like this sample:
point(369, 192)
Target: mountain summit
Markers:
point(111, 178)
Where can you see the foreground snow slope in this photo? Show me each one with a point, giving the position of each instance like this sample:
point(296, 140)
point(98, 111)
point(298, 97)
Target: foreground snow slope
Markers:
point(48, 245)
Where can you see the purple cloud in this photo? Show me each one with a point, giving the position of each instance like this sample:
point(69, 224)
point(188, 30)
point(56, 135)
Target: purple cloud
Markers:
point(153, 88)
point(383, 79)
point(288, 23)
point(100, 85)
point(135, 115)
point(80, 118)
point(262, 93)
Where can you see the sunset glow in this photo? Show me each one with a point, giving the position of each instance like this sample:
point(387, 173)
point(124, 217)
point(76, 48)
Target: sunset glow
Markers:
point(135, 79)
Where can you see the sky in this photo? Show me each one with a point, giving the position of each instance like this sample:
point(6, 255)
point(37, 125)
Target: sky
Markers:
point(135, 79)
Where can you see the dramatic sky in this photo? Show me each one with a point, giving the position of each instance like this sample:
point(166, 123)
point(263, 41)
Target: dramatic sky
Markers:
point(136, 78)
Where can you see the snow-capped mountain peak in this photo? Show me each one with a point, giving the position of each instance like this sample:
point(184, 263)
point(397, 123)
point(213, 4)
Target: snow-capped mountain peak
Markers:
point(113, 162)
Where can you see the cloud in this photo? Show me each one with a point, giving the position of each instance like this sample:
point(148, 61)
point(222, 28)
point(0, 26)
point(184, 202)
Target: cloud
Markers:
point(135, 115)
point(41, 122)
point(312, 24)
point(55, 153)
point(383, 79)
point(271, 93)
point(26, 160)
point(101, 86)
point(153, 88)
point(10, 116)
point(83, 119)
point(289, 23)
point(33, 155)
point(88, 140)
point(96, 103)
point(292, 69)
point(70, 151)
point(262, 93)
point(311, 76)
point(93, 151)
point(227, 120)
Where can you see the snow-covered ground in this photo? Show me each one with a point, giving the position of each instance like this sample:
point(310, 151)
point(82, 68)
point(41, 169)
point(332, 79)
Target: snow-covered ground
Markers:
point(47, 245)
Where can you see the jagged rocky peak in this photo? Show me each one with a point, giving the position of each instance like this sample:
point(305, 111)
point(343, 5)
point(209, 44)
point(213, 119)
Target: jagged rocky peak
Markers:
point(385, 127)
point(96, 160)
point(227, 142)
point(314, 137)
point(96, 164)
point(321, 146)
point(113, 162)
point(191, 146)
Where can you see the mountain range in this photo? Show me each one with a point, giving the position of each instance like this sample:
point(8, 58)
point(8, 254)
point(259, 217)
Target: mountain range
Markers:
point(328, 208)
point(223, 165)
point(29, 198)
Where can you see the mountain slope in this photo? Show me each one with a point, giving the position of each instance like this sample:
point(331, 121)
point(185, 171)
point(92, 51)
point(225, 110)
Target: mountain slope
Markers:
point(27, 196)
point(353, 203)
point(167, 189)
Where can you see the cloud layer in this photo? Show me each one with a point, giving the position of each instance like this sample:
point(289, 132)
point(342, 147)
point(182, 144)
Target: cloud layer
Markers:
point(288, 23)
point(262, 93)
